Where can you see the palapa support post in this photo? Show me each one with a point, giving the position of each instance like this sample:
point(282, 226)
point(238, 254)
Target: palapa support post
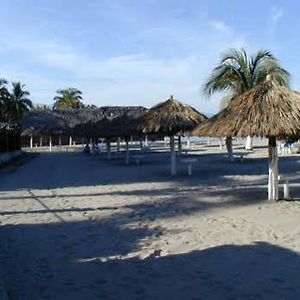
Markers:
point(273, 170)
point(118, 144)
point(188, 142)
point(179, 145)
point(249, 144)
point(220, 144)
point(127, 152)
point(108, 149)
point(31, 142)
point(229, 148)
point(173, 156)
point(50, 142)
point(59, 142)
point(141, 144)
point(41, 141)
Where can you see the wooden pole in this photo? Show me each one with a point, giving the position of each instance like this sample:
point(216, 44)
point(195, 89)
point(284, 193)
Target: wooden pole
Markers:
point(59, 142)
point(249, 145)
point(179, 145)
point(173, 156)
point(118, 144)
point(273, 170)
point(31, 141)
point(108, 149)
point(220, 144)
point(50, 142)
point(188, 142)
point(141, 144)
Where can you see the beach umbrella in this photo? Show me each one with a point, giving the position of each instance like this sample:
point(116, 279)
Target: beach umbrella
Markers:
point(268, 110)
point(170, 118)
point(122, 126)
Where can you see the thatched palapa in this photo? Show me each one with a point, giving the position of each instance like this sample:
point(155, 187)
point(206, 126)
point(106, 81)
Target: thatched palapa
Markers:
point(170, 118)
point(268, 110)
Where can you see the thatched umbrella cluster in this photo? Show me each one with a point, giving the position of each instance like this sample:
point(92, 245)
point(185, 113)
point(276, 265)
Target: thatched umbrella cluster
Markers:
point(62, 122)
point(268, 110)
point(170, 118)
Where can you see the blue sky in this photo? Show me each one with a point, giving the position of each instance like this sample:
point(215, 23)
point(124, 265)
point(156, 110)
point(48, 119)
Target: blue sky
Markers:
point(126, 52)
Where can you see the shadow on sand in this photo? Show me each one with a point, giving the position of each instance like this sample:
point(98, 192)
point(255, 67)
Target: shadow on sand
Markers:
point(87, 260)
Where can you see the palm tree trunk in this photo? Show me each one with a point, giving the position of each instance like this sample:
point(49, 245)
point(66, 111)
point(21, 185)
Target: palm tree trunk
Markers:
point(229, 148)
point(273, 170)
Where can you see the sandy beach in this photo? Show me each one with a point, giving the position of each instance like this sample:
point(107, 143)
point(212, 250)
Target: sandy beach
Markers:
point(75, 226)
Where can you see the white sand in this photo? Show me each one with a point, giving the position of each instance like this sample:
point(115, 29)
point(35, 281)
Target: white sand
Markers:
point(79, 227)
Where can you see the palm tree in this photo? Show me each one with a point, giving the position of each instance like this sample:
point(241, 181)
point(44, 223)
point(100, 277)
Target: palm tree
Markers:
point(69, 98)
point(4, 95)
point(237, 72)
point(17, 102)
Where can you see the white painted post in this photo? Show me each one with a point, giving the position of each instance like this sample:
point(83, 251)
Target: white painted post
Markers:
point(229, 148)
point(41, 141)
point(273, 170)
point(220, 144)
point(82, 142)
point(249, 145)
point(286, 190)
point(141, 144)
point(50, 143)
point(59, 142)
point(108, 149)
point(173, 156)
point(179, 145)
point(70, 140)
point(127, 153)
point(118, 144)
point(146, 140)
point(31, 141)
point(188, 142)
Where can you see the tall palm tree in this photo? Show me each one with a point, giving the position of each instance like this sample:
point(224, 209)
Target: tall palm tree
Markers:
point(17, 102)
point(69, 98)
point(4, 95)
point(238, 72)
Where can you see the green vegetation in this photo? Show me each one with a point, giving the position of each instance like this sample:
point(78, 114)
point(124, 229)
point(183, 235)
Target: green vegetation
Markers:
point(68, 99)
point(14, 103)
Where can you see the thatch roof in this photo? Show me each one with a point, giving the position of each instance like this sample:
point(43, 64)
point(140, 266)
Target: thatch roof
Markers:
point(63, 121)
point(266, 110)
point(169, 118)
point(122, 126)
